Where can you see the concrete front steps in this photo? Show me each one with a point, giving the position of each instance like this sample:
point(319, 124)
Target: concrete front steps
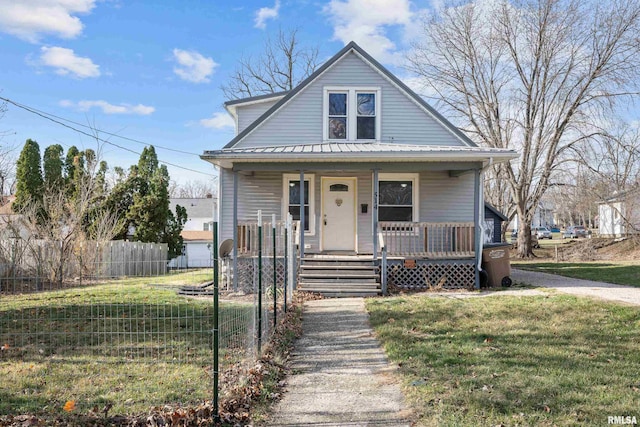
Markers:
point(339, 277)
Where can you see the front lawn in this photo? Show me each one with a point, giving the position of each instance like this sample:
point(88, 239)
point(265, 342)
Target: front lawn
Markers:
point(618, 272)
point(548, 360)
point(131, 343)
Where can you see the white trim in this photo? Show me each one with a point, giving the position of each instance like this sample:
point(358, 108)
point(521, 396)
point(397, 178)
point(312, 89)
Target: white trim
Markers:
point(352, 112)
point(233, 109)
point(355, 207)
point(415, 187)
point(286, 178)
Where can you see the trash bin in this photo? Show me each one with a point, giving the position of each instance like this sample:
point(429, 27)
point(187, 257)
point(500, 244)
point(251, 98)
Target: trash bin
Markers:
point(495, 261)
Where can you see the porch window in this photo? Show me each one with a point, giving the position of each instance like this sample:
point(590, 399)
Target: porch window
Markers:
point(397, 199)
point(292, 201)
point(351, 113)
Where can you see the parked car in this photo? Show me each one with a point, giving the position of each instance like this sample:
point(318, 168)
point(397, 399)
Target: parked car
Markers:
point(543, 233)
point(534, 239)
point(574, 231)
point(555, 230)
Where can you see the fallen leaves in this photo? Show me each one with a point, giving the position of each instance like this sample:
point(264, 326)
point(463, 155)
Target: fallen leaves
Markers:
point(69, 406)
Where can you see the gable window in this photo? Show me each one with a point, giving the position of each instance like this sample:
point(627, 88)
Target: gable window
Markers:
point(398, 197)
point(337, 116)
point(351, 114)
point(366, 115)
point(292, 200)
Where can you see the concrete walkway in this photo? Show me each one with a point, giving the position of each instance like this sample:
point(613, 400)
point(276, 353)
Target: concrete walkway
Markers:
point(340, 374)
point(568, 285)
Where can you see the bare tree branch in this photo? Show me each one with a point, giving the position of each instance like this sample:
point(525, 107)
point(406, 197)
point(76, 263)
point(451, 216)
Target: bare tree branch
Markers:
point(533, 75)
point(282, 65)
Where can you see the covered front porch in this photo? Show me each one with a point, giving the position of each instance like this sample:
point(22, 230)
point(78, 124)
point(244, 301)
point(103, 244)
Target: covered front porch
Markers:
point(415, 212)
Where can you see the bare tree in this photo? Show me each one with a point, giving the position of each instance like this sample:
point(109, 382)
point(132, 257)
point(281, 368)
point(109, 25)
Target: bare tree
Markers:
point(283, 64)
point(612, 163)
point(7, 159)
point(533, 75)
point(614, 158)
point(192, 189)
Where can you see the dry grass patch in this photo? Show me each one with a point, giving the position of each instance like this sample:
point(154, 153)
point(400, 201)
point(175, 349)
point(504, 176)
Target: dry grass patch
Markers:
point(549, 360)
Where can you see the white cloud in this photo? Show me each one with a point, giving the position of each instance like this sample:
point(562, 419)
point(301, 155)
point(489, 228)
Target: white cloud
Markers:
point(107, 108)
point(265, 13)
point(66, 62)
point(366, 22)
point(30, 19)
point(193, 66)
point(218, 121)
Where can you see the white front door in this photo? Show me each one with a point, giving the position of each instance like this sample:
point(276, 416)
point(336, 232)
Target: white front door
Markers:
point(338, 214)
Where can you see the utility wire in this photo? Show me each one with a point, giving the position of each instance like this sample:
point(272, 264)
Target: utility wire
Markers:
point(60, 121)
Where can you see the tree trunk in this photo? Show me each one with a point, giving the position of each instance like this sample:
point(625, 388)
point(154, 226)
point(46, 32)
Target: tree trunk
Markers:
point(524, 249)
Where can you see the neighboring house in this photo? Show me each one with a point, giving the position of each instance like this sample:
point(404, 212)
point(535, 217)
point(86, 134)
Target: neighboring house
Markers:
point(619, 215)
point(543, 216)
point(197, 232)
point(378, 165)
point(493, 220)
point(12, 225)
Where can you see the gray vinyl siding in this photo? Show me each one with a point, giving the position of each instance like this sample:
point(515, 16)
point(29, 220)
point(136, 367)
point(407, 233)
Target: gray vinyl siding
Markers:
point(300, 121)
point(442, 199)
point(260, 191)
point(249, 113)
point(446, 199)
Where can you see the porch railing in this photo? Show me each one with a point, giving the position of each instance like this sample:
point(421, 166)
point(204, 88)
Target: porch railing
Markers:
point(248, 237)
point(436, 240)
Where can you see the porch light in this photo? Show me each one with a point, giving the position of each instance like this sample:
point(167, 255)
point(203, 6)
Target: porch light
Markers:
point(403, 185)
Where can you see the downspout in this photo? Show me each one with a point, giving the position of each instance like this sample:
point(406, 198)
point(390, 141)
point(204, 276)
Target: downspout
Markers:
point(476, 221)
point(481, 222)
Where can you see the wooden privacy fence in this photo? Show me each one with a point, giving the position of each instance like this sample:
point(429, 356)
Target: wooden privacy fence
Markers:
point(40, 258)
point(121, 258)
point(436, 240)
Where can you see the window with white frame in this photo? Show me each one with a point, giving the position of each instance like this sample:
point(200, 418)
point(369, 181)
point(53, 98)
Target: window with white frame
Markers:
point(292, 200)
point(398, 197)
point(351, 114)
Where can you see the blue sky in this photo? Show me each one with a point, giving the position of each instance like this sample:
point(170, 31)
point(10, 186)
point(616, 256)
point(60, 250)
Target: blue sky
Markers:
point(152, 70)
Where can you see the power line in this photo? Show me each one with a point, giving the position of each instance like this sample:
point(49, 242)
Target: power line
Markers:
point(60, 121)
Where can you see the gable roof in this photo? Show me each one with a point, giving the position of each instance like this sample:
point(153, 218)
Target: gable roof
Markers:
point(231, 106)
point(196, 236)
point(495, 211)
point(201, 207)
point(352, 46)
point(623, 195)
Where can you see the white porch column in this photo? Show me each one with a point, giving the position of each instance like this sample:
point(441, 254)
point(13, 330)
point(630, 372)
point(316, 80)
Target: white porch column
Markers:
point(477, 173)
point(235, 230)
point(374, 213)
point(302, 216)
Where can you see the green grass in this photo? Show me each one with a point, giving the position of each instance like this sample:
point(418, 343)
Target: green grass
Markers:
point(618, 272)
point(134, 343)
point(554, 360)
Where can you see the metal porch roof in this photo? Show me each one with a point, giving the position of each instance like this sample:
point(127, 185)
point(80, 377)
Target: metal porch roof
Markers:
point(357, 152)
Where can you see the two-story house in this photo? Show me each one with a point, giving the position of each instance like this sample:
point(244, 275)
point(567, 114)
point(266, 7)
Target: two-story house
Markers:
point(364, 164)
